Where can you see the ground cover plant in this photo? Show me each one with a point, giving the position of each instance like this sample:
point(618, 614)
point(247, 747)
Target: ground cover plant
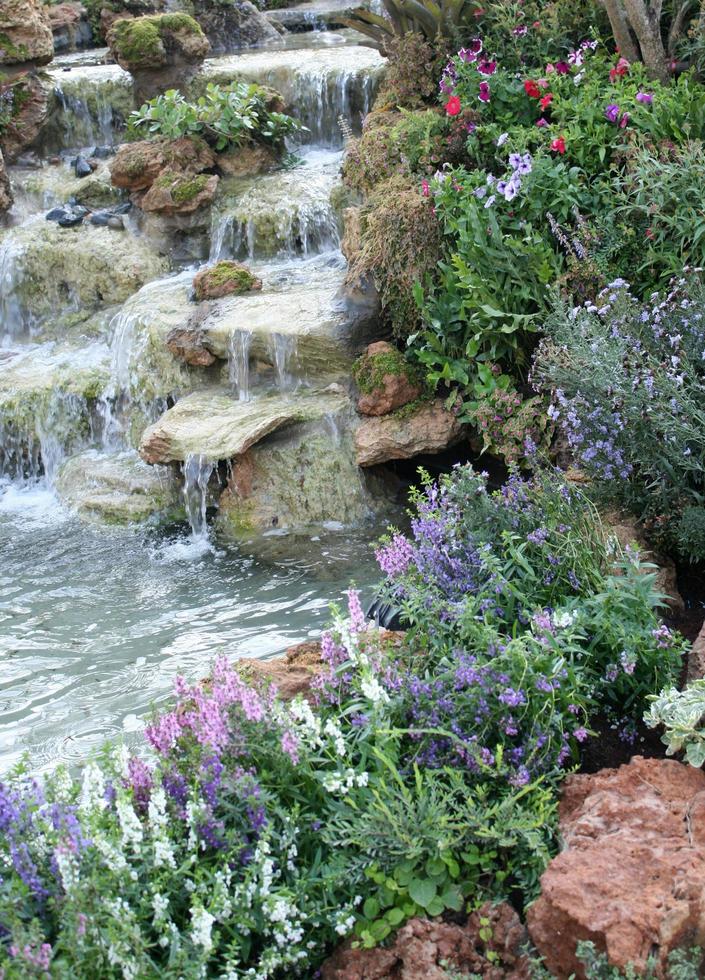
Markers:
point(255, 834)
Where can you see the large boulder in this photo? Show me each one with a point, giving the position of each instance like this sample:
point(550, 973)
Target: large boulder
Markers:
point(385, 379)
point(160, 51)
point(25, 34)
point(490, 945)
point(233, 24)
point(27, 98)
point(70, 26)
point(5, 188)
point(302, 476)
point(427, 429)
point(631, 878)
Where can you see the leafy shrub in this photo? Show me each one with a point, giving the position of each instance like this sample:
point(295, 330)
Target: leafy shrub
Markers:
point(513, 428)
point(225, 116)
point(531, 558)
point(683, 964)
point(627, 383)
point(682, 715)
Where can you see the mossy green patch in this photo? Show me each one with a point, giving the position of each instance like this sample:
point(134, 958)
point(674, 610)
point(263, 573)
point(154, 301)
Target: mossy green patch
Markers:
point(225, 277)
point(182, 189)
point(140, 41)
point(369, 371)
point(12, 52)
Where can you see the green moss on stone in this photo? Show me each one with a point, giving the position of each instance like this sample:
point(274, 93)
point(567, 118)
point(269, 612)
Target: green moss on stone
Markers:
point(369, 371)
point(182, 189)
point(140, 41)
point(11, 52)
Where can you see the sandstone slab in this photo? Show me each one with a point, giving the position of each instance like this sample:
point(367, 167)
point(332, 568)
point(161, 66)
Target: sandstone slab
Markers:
point(213, 424)
point(631, 878)
point(428, 429)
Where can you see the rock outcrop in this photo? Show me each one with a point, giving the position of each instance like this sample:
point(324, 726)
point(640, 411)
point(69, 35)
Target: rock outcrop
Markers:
point(5, 188)
point(291, 674)
point(27, 96)
point(25, 34)
point(160, 51)
point(428, 429)
point(118, 489)
point(70, 26)
point(233, 25)
point(696, 657)
point(166, 177)
point(631, 878)
point(423, 948)
point(386, 380)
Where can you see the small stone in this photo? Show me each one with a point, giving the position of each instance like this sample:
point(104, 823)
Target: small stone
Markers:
point(103, 152)
point(82, 167)
point(71, 220)
point(55, 214)
point(116, 223)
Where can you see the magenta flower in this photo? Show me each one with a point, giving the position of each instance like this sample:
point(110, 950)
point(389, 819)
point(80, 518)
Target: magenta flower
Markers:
point(612, 113)
point(624, 121)
point(542, 122)
point(646, 98)
point(562, 67)
point(487, 67)
point(484, 95)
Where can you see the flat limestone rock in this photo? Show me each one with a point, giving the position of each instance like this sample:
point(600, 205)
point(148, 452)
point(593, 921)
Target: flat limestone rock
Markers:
point(118, 488)
point(429, 429)
point(213, 424)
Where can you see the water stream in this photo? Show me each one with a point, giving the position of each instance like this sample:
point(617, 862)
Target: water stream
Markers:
point(95, 621)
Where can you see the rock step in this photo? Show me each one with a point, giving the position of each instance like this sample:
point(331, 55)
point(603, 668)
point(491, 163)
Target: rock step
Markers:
point(215, 426)
point(313, 16)
point(118, 488)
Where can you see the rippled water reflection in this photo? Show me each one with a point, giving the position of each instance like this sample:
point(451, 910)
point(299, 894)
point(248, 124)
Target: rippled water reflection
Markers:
point(94, 625)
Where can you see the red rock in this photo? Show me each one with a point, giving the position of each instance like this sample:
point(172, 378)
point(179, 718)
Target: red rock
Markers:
point(187, 344)
point(632, 876)
point(430, 429)
point(25, 34)
point(31, 95)
point(422, 945)
point(136, 166)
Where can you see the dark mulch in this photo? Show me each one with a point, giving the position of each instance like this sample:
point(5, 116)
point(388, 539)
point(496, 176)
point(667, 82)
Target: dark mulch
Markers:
point(606, 750)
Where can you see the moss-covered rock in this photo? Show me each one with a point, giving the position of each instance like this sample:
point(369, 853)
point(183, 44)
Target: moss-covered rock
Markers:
point(385, 379)
point(52, 272)
point(224, 279)
point(177, 193)
point(5, 188)
point(160, 51)
point(25, 107)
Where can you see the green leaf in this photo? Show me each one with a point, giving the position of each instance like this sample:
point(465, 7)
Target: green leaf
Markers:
point(371, 908)
point(394, 916)
point(422, 891)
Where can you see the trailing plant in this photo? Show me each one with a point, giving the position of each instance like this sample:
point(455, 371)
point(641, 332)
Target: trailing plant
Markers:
point(225, 116)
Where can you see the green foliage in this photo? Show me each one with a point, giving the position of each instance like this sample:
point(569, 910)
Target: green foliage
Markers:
point(628, 384)
point(225, 116)
point(683, 964)
point(512, 428)
point(682, 715)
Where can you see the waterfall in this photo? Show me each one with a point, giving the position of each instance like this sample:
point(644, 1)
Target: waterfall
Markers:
point(14, 319)
point(197, 472)
point(239, 363)
point(283, 351)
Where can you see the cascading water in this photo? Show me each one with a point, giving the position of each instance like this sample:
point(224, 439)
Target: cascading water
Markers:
point(99, 620)
point(239, 363)
point(197, 473)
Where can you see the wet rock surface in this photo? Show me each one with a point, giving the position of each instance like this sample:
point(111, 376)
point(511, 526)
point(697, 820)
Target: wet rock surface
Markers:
point(6, 197)
point(427, 429)
point(70, 26)
point(230, 26)
point(631, 878)
point(29, 97)
point(423, 947)
point(25, 34)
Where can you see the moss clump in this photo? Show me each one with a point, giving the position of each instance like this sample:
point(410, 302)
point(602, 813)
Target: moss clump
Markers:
point(140, 42)
point(11, 52)
point(370, 370)
point(400, 246)
point(182, 188)
point(225, 279)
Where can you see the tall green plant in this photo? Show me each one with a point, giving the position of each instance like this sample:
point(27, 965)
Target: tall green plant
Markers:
point(444, 20)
